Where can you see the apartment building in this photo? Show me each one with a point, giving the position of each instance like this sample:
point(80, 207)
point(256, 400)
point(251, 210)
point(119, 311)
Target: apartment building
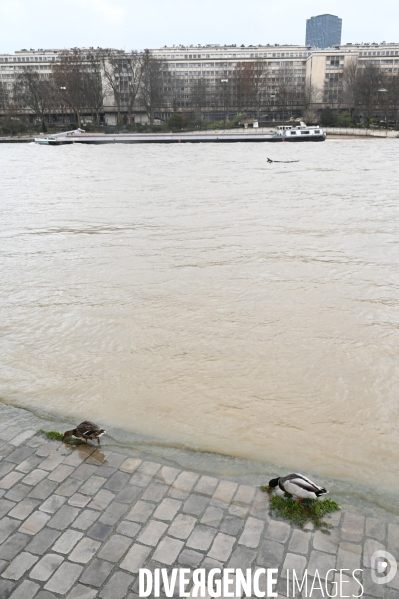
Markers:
point(324, 68)
point(320, 68)
point(215, 64)
point(11, 64)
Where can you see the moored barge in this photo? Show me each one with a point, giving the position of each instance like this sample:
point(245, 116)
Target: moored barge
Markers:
point(282, 133)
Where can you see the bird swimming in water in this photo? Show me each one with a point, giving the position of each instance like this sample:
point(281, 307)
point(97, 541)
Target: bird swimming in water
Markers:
point(86, 430)
point(298, 485)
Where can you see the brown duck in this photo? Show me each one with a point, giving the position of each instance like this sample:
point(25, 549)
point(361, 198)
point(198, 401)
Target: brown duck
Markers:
point(86, 430)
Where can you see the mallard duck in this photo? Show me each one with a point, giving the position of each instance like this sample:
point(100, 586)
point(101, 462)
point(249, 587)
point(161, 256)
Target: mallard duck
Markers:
point(298, 485)
point(86, 430)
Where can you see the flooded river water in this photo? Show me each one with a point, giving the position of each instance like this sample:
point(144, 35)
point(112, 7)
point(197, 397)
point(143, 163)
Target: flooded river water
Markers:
point(201, 296)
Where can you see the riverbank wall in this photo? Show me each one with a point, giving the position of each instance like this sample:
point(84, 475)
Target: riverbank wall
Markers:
point(349, 131)
point(17, 140)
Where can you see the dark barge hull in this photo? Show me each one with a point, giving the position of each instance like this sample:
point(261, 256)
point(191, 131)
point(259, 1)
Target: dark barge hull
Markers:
point(174, 138)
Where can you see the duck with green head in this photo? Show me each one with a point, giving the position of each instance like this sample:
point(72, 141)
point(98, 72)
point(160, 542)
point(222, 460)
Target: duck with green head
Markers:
point(298, 485)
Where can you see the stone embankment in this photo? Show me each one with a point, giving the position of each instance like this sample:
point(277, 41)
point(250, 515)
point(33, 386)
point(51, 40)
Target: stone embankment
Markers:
point(16, 139)
point(361, 132)
point(79, 522)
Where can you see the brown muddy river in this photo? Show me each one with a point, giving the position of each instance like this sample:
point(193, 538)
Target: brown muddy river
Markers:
point(199, 295)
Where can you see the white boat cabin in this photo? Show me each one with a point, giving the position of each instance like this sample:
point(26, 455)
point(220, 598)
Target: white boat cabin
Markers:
point(298, 131)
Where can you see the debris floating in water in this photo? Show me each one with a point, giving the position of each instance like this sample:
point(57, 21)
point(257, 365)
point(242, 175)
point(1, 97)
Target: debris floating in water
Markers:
point(283, 161)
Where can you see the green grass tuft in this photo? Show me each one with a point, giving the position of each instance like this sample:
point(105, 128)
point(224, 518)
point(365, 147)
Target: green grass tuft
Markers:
point(310, 510)
point(51, 434)
point(55, 435)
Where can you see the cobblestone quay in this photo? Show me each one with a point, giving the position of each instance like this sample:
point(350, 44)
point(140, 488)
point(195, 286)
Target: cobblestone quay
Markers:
point(79, 522)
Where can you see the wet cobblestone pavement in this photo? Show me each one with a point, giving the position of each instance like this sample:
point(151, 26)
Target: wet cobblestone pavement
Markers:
point(80, 521)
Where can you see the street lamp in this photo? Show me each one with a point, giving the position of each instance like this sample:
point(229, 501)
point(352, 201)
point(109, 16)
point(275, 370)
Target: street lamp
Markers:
point(62, 106)
point(384, 91)
point(224, 99)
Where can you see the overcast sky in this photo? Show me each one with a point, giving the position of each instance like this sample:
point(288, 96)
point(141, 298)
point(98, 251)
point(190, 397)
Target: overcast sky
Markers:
point(138, 24)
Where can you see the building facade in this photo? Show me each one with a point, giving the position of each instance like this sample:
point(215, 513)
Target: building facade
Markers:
point(41, 61)
point(215, 67)
point(323, 31)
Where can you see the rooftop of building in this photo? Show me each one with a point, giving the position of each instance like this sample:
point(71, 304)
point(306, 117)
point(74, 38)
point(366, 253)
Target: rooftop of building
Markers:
point(347, 47)
point(327, 14)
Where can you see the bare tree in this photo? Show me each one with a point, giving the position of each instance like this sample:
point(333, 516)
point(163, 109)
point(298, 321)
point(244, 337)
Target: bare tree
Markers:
point(94, 90)
point(389, 98)
point(362, 85)
point(224, 95)
point(240, 79)
point(199, 96)
point(4, 98)
point(250, 80)
point(112, 69)
point(34, 93)
point(10, 111)
point(71, 72)
point(349, 77)
point(154, 82)
point(286, 89)
point(258, 75)
point(123, 73)
point(310, 96)
point(134, 65)
point(174, 85)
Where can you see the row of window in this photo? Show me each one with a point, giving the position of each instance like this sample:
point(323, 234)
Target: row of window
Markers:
point(206, 74)
point(211, 65)
point(30, 59)
point(251, 55)
point(389, 61)
point(35, 68)
point(41, 75)
point(386, 53)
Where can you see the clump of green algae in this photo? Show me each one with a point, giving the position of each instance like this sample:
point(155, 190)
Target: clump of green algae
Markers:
point(51, 434)
point(55, 435)
point(309, 510)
